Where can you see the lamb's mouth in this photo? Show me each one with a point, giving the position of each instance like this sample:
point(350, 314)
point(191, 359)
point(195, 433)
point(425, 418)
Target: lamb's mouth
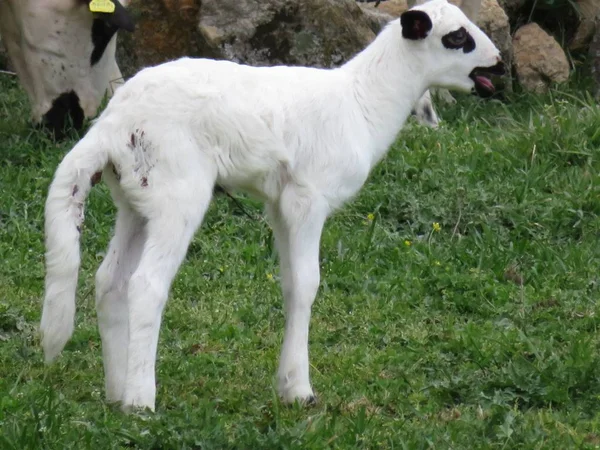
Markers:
point(481, 77)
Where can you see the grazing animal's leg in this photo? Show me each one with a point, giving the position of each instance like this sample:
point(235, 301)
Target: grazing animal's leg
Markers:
point(173, 214)
point(425, 112)
point(444, 95)
point(297, 225)
point(112, 282)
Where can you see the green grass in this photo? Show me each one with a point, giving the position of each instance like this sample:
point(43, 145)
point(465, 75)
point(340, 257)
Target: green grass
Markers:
point(483, 334)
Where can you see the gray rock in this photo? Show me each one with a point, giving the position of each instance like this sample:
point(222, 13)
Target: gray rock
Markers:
point(317, 33)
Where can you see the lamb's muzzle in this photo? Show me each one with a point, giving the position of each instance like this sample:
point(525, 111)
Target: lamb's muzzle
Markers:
point(481, 77)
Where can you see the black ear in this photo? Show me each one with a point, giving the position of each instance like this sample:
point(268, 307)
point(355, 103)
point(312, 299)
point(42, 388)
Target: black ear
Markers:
point(415, 24)
point(105, 26)
point(121, 18)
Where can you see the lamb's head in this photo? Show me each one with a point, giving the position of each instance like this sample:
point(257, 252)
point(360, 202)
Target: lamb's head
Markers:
point(452, 52)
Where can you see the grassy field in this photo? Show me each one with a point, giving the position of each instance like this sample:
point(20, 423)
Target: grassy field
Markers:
point(458, 306)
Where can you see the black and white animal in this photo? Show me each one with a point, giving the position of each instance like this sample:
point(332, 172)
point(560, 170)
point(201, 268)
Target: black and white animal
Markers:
point(303, 140)
point(64, 56)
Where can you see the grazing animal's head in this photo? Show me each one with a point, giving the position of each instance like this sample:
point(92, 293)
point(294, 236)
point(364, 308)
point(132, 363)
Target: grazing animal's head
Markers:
point(452, 51)
point(64, 54)
point(105, 26)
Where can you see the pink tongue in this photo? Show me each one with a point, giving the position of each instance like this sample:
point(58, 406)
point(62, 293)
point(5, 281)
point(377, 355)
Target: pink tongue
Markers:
point(485, 82)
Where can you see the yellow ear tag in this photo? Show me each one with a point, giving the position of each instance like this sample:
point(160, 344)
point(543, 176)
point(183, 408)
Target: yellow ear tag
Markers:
point(102, 6)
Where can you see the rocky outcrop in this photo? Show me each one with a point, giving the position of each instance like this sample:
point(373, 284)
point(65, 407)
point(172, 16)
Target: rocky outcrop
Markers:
point(539, 60)
point(325, 33)
point(318, 33)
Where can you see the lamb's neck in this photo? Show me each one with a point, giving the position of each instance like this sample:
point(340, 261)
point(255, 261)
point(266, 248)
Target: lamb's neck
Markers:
point(387, 82)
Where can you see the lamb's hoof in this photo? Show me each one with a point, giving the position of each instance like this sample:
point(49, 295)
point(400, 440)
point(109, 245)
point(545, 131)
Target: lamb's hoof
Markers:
point(137, 403)
point(311, 401)
point(113, 403)
point(303, 395)
point(136, 409)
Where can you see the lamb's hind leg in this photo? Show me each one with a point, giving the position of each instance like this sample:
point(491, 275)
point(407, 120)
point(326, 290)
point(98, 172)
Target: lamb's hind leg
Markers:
point(112, 281)
point(173, 215)
point(297, 223)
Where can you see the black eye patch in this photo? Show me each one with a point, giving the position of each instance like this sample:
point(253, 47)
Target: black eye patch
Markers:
point(459, 39)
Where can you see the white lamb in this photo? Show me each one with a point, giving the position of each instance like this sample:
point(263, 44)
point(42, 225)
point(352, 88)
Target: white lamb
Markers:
point(303, 140)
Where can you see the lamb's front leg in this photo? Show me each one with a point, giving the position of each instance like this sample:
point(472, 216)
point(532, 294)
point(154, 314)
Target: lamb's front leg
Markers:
point(297, 226)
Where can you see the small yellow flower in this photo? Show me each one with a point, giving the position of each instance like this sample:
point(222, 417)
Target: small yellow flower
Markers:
point(436, 227)
point(270, 276)
point(437, 263)
point(371, 217)
point(407, 243)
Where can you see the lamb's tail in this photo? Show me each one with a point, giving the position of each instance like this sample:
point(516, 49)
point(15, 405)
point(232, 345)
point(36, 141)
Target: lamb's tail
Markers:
point(73, 179)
